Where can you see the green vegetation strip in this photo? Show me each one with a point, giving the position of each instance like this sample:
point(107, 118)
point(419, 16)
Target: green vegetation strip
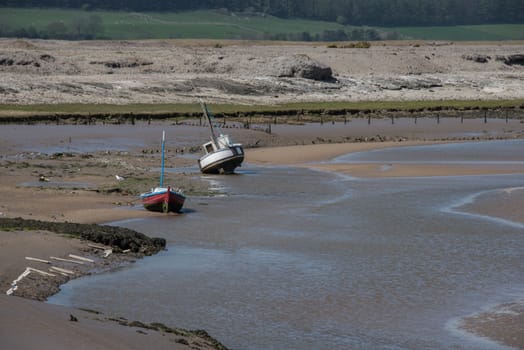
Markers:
point(12, 112)
point(76, 24)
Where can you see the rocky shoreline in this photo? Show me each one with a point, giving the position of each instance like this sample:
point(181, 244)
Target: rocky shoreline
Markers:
point(172, 71)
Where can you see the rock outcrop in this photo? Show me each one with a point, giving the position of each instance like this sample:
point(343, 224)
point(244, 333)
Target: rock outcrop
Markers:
point(510, 60)
point(302, 66)
point(479, 58)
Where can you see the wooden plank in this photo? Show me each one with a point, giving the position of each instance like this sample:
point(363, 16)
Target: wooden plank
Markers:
point(37, 260)
point(81, 258)
point(96, 246)
point(59, 269)
point(41, 272)
point(67, 260)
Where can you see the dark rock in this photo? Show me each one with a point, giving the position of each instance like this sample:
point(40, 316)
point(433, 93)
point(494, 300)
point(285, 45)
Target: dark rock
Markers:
point(47, 58)
point(302, 66)
point(127, 63)
point(6, 61)
point(120, 238)
point(477, 58)
point(514, 59)
point(410, 83)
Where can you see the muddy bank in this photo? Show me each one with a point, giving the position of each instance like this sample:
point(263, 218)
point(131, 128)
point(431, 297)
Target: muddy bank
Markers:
point(246, 118)
point(27, 324)
point(106, 248)
point(119, 238)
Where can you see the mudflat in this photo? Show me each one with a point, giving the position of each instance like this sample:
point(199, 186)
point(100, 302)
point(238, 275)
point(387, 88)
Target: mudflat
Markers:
point(80, 185)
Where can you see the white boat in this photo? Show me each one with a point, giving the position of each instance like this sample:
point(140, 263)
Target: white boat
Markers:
point(222, 156)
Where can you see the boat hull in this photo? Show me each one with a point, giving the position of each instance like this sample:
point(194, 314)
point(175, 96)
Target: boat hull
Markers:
point(222, 161)
point(163, 200)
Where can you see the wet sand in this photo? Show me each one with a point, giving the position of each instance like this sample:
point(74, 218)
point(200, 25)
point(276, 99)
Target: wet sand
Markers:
point(91, 206)
point(27, 324)
point(505, 204)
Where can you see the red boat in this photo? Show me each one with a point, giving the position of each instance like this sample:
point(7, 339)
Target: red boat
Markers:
point(163, 199)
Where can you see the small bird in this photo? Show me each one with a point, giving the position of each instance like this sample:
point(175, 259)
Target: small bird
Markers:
point(119, 178)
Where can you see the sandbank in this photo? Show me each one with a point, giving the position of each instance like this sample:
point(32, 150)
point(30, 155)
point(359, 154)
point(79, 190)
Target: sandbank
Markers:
point(305, 154)
point(316, 157)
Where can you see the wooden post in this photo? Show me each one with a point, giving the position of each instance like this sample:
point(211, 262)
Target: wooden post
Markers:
point(438, 118)
point(507, 111)
point(485, 117)
point(415, 119)
point(392, 119)
point(369, 119)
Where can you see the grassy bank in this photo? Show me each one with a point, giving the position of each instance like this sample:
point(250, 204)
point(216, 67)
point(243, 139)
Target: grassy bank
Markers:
point(51, 112)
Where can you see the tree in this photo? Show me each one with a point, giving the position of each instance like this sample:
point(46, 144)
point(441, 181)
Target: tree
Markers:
point(57, 30)
point(87, 27)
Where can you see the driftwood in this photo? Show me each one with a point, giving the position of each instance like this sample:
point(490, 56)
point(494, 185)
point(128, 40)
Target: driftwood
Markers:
point(81, 258)
point(107, 251)
point(27, 271)
point(67, 260)
point(61, 270)
point(37, 260)
point(41, 272)
point(14, 284)
point(96, 246)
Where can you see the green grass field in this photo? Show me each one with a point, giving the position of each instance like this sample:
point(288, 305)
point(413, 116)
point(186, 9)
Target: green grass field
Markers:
point(492, 32)
point(197, 24)
point(219, 25)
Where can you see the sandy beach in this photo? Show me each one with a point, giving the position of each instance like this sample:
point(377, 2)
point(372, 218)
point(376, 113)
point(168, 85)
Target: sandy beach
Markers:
point(81, 187)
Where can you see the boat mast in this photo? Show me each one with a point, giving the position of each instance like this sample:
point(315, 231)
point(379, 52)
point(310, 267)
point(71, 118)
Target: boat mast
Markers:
point(211, 122)
point(162, 171)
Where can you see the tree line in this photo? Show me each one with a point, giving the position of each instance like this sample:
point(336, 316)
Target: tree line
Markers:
point(352, 12)
point(83, 27)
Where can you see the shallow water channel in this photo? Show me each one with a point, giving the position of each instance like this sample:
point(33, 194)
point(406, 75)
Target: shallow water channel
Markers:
point(300, 259)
